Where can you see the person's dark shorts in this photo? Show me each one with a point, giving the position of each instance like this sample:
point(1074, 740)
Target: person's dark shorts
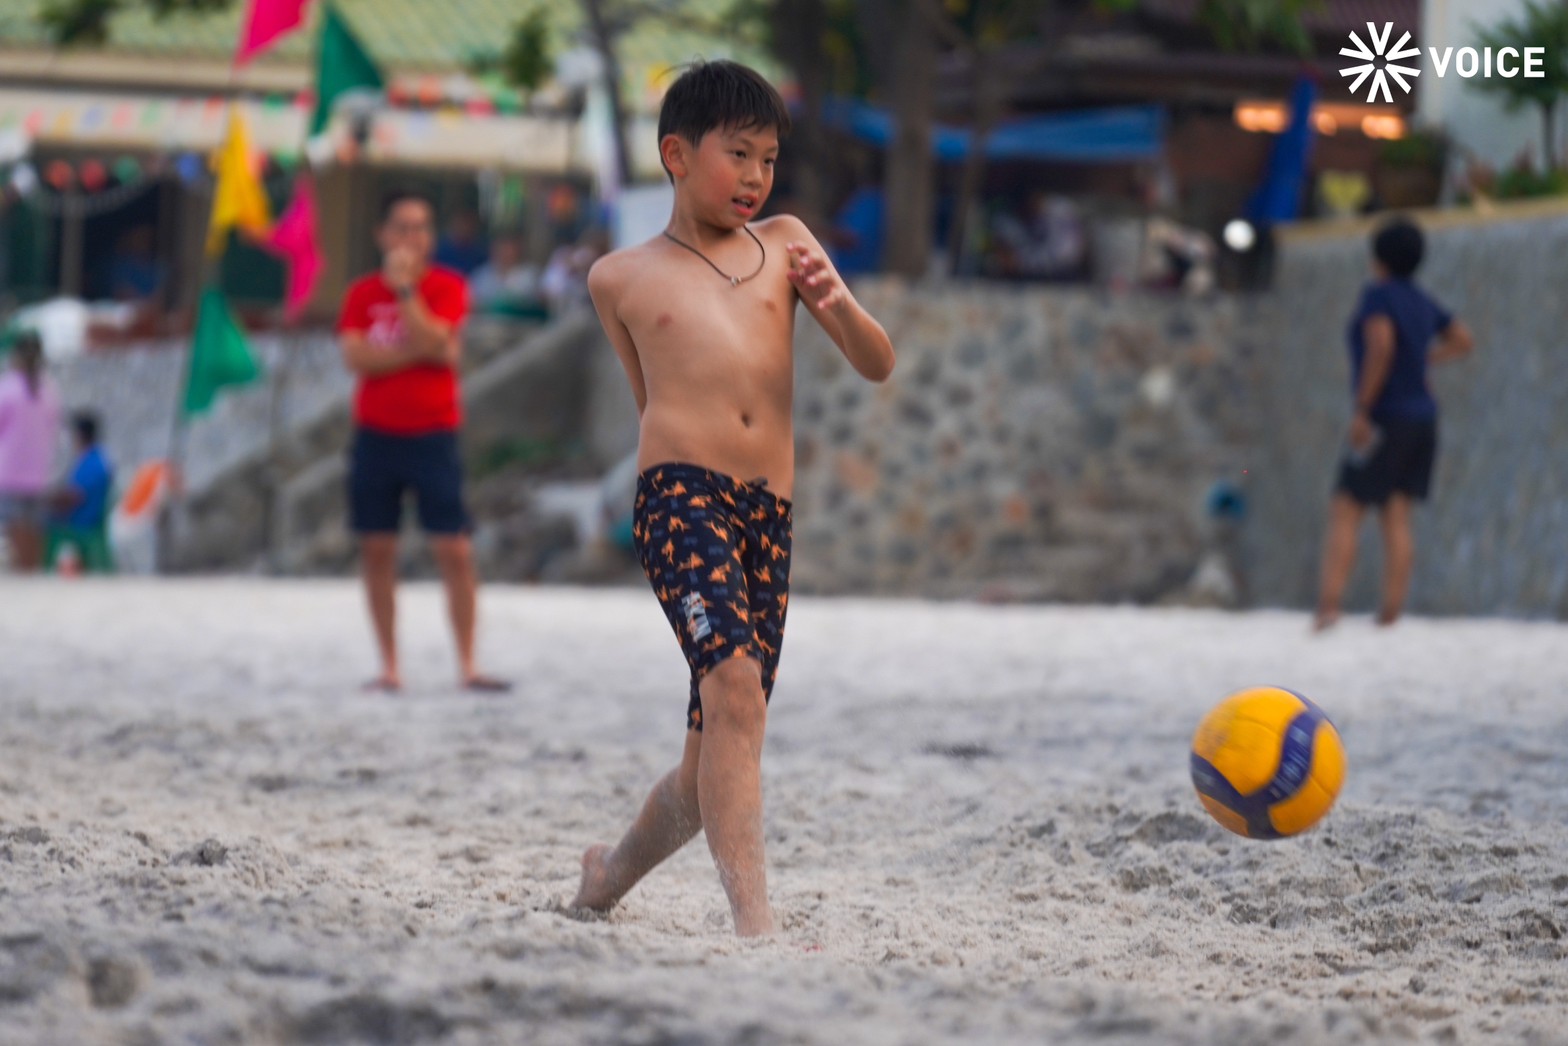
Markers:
point(384, 469)
point(1401, 463)
point(716, 551)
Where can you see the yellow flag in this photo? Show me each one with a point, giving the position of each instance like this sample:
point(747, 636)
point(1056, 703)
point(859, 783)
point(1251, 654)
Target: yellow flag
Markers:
point(238, 200)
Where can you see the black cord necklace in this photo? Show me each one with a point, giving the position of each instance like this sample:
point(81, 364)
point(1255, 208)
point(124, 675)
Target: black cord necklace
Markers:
point(735, 281)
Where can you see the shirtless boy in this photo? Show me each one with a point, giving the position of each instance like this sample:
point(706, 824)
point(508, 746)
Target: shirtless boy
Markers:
point(702, 318)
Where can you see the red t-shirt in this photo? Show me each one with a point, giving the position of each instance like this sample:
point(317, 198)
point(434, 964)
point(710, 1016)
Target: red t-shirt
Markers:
point(418, 399)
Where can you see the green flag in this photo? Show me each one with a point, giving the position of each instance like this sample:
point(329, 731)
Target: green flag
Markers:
point(341, 66)
point(219, 355)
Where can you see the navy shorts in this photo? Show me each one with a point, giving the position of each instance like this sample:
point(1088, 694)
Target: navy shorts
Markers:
point(384, 469)
point(716, 551)
point(1400, 463)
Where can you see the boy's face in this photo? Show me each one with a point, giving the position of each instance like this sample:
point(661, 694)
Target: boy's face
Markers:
point(729, 174)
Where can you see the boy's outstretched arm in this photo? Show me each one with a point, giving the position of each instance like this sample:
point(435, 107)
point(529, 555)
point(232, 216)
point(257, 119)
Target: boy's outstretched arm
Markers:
point(854, 330)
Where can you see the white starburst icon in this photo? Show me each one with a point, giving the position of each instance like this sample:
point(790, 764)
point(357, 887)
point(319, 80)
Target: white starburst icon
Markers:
point(1369, 57)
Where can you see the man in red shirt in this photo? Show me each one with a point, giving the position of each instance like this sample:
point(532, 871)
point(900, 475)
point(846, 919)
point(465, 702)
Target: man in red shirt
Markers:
point(401, 332)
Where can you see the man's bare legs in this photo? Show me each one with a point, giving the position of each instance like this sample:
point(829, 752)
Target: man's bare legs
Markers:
point(1399, 553)
point(378, 563)
point(455, 556)
point(1339, 556)
point(718, 788)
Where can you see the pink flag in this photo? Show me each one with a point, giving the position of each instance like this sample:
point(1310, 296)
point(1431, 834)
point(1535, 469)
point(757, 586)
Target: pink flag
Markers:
point(294, 237)
point(264, 23)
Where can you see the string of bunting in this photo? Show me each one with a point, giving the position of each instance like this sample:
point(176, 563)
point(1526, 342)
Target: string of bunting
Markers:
point(85, 189)
point(57, 204)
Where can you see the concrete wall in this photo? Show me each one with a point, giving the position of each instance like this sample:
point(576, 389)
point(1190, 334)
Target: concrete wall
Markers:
point(137, 390)
point(268, 458)
point(292, 504)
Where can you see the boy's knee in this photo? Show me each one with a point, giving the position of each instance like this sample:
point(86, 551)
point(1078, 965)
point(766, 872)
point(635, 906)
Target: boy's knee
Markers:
point(732, 697)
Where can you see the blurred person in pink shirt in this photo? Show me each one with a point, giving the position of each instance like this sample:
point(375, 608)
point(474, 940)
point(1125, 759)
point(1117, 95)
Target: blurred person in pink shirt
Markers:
point(29, 425)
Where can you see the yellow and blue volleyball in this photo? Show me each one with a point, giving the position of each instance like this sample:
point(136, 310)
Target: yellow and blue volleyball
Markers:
point(1267, 763)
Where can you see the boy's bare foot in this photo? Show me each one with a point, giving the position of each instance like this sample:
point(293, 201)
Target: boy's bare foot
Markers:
point(1387, 618)
point(386, 683)
point(593, 894)
point(1325, 620)
point(581, 915)
point(755, 926)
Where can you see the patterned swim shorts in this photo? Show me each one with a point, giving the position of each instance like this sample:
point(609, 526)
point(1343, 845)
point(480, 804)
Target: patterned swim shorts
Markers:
point(716, 551)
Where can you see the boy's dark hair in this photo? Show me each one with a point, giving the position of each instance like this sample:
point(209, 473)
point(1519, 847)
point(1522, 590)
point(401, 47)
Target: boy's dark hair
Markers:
point(1400, 246)
point(724, 94)
point(85, 424)
point(390, 201)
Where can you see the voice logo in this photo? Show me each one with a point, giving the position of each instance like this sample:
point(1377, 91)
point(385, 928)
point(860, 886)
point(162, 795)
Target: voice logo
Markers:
point(1378, 62)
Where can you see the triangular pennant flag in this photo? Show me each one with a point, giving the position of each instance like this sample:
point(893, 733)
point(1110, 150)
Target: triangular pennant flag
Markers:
point(341, 66)
point(266, 21)
point(220, 355)
point(294, 237)
point(238, 200)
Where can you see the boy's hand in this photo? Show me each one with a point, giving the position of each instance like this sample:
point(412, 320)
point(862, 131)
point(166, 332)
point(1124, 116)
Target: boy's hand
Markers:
point(1362, 432)
point(818, 285)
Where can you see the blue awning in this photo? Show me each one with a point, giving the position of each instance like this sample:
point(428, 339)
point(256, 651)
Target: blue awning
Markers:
point(1118, 135)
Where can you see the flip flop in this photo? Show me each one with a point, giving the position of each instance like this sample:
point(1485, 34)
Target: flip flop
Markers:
point(487, 685)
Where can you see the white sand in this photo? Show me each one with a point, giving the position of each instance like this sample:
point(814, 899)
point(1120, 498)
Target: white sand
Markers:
point(391, 865)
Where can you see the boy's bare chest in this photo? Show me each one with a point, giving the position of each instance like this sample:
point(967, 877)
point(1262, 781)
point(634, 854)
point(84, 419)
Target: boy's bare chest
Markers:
point(675, 307)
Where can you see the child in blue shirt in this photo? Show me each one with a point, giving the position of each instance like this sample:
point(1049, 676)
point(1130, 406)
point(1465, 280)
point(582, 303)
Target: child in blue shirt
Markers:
point(1397, 331)
point(81, 505)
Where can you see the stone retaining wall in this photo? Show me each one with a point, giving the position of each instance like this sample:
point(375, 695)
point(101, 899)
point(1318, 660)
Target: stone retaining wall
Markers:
point(1032, 443)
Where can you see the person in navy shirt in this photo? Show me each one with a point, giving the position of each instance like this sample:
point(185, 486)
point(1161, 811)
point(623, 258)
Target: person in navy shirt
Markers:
point(1398, 330)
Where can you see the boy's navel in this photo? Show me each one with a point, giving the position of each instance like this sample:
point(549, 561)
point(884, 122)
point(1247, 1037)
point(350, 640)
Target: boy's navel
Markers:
point(664, 320)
